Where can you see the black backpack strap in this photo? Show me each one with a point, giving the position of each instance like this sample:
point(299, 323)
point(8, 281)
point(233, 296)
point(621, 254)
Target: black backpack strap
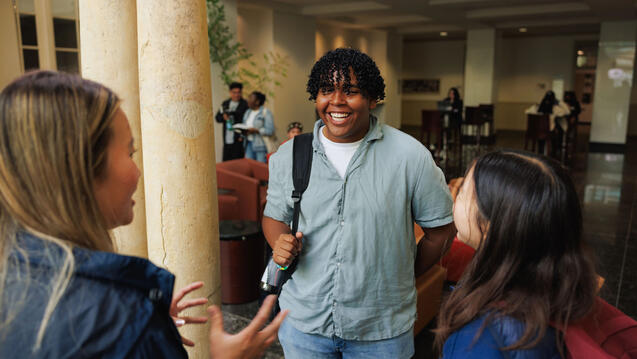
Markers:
point(301, 169)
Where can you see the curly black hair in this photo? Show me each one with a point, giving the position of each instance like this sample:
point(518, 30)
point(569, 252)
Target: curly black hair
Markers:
point(340, 60)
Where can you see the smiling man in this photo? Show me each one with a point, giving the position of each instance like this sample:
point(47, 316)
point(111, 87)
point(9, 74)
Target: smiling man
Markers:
point(353, 294)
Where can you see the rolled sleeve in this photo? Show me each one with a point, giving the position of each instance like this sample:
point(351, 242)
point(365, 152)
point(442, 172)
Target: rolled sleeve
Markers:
point(432, 205)
point(277, 206)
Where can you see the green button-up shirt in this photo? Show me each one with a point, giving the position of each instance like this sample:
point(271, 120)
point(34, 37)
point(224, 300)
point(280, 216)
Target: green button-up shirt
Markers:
point(355, 275)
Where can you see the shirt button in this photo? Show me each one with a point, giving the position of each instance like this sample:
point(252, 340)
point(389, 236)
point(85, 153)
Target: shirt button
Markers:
point(342, 223)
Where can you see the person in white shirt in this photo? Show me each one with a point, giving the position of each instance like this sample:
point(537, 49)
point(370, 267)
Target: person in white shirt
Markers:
point(260, 124)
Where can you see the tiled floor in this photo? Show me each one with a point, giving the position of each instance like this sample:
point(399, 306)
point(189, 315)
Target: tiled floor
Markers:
point(607, 185)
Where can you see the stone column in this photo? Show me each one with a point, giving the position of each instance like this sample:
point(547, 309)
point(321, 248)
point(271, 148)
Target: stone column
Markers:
point(46, 41)
point(108, 30)
point(179, 159)
point(479, 74)
point(613, 85)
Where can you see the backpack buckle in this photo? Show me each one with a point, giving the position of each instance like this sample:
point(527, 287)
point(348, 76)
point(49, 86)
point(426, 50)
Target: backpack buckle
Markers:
point(296, 196)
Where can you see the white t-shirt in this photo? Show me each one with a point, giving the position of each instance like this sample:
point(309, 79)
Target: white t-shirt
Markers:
point(339, 154)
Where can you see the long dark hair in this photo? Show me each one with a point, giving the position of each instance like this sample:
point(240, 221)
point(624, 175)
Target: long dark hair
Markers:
point(531, 264)
point(546, 106)
point(456, 95)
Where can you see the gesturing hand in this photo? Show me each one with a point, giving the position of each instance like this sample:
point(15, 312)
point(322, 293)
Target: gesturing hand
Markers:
point(176, 306)
point(286, 248)
point(251, 341)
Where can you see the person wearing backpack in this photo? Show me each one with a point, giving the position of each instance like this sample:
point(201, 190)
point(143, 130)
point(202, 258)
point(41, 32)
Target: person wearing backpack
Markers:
point(353, 291)
point(531, 272)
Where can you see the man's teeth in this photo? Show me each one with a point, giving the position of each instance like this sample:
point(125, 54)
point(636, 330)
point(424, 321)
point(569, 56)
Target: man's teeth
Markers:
point(339, 115)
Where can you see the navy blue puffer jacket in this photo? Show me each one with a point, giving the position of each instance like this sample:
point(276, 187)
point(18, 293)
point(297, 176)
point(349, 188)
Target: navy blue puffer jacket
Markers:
point(114, 307)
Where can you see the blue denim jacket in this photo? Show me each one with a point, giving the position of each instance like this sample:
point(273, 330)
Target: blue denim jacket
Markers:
point(355, 275)
point(262, 122)
point(114, 307)
point(499, 333)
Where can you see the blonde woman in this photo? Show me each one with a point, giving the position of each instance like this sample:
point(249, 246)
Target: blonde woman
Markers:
point(66, 179)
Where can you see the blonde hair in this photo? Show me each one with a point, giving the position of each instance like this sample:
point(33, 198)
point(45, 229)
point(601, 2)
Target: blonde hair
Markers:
point(54, 131)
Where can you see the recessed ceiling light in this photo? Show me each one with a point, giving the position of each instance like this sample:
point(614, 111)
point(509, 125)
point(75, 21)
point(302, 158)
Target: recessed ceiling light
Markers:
point(443, 33)
point(523, 29)
point(580, 52)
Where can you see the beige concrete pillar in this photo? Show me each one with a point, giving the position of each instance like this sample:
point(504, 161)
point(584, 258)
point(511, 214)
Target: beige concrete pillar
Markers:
point(108, 32)
point(479, 74)
point(179, 159)
point(46, 41)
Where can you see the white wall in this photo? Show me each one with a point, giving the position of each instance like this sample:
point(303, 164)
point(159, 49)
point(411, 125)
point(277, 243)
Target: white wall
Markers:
point(526, 64)
point(262, 31)
point(10, 67)
point(443, 60)
point(479, 75)
point(294, 37)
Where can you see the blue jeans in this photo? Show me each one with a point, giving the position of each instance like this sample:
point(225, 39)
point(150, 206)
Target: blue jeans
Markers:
point(299, 345)
point(255, 155)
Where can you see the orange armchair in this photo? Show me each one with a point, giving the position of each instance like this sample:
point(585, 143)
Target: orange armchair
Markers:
point(247, 181)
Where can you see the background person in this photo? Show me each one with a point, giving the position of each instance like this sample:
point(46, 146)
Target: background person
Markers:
point(557, 111)
point(260, 124)
point(231, 113)
point(294, 129)
point(530, 271)
point(66, 179)
point(454, 105)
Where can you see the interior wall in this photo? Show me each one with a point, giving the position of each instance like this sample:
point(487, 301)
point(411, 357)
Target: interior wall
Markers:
point(443, 60)
point(294, 37)
point(10, 67)
point(526, 68)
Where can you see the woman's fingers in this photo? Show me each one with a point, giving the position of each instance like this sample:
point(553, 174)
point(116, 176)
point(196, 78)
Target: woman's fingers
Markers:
point(191, 303)
point(262, 316)
point(273, 327)
point(187, 342)
point(216, 321)
point(187, 289)
point(194, 320)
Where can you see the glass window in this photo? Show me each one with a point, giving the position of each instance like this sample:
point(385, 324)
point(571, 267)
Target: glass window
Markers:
point(64, 32)
point(27, 29)
point(31, 61)
point(67, 61)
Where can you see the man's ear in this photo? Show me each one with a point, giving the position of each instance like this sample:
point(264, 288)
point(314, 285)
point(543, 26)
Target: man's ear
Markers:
point(372, 104)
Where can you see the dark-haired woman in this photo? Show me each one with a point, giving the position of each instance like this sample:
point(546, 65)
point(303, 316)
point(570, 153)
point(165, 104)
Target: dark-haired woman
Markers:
point(453, 102)
point(260, 125)
point(530, 271)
